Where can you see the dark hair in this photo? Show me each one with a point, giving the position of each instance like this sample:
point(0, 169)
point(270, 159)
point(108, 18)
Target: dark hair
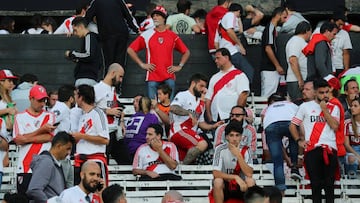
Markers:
point(275, 97)
point(87, 93)
point(320, 83)
point(200, 13)
point(82, 5)
point(290, 6)
point(158, 129)
point(339, 15)
point(346, 88)
point(236, 7)
point(183, 5)
point(254, 193)
point(6, 24)
point(165, 88)
point(198, 77)
point(274, 194)
point(327, 26)
point(277, 11)
point(62, 138)
point(15, 198)
point(36, 20)
point(112, 193)
point(65, 92)
point(28, 77)
point(302, 28)
point(221, 2)
point(224, 52)
point(149, 8)
point(51, 92)
point(49, 21)
point(80, 21)
point(235, 126)
point(240, 107)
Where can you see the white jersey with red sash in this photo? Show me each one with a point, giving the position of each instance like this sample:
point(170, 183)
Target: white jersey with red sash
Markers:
point(25, 123)
point(317, 130)
point(187, 101)
point(224, 90)
point(147, 159)
point(349, 131)
point(229, 21)
point(76, 195)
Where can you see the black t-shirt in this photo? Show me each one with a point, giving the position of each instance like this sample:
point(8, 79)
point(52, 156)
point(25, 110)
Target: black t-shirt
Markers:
point(247, 23)
point(268, 38)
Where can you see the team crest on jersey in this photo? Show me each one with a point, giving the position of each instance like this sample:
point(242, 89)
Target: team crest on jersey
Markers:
point(161, 40)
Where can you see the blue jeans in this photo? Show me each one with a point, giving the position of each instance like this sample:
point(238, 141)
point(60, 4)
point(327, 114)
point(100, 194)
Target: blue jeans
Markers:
point(152, 88)
point(351, 169)
point(240, 62)
point(274, 134)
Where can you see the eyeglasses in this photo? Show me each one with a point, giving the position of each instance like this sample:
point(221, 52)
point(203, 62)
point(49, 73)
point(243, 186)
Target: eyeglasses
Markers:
point(237, 115)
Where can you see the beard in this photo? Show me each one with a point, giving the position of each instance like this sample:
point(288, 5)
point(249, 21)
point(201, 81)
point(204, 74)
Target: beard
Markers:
point(114, 83)
point(197, 93)
point(87, 185)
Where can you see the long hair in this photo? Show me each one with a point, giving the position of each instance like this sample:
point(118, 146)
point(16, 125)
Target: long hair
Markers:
point(5, 94)
point(353, 121)
point(145, 105)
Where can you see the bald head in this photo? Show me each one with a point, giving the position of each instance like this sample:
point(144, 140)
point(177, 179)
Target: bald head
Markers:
point(89, 165)
point(172, 196)
point(114, 75)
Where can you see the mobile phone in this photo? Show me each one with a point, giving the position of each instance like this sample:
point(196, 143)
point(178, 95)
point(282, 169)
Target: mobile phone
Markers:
point(56, 124)
point(99, 186)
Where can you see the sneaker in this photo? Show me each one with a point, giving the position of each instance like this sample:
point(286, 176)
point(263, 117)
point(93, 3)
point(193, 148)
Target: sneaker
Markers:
point(295, 175)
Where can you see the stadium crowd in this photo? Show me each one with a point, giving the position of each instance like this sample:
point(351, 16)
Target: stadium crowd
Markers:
point(313, 104)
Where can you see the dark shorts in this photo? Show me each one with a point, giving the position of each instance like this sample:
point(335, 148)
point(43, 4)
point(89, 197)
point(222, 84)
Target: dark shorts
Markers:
point(232, 192)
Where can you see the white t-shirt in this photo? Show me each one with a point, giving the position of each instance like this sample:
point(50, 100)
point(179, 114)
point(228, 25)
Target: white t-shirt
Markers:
point(147, 159)
point(279, 111)
point(309, 115)
point(24, 123)
point(181, 23)
point(62, 116)
point(76, 195)
point(225, 161)
point(65, 27)
point(104, 99)
point(75, 114)
point(339, 43)
point(229, 21)
point(7, 137)
point(227, 97)
point(93, 123)
point(187, 101)
point(294, 47)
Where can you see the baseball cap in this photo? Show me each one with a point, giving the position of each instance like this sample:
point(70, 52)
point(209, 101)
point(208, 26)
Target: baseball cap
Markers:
point(159, 10)
point(38, 92)
point(7, 74)
point(333, 81)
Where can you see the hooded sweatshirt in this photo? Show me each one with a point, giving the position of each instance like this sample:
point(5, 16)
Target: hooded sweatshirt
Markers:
point(47, 178)
point(20, 96)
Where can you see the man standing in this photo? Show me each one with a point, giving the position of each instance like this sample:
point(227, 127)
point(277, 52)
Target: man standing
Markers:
point(185, 110)
point(318, 52)
point(320, 119)
point(106, 100)
point(88, 189)
point(159, 44)
point(227, 38)
point(227, 88)
point(113, 29)
point(88, 59)
point(232, 166)
point(212, 22)
point(93, 134)
point(296, 60)
point(48, 178)
point(271, 70)
point(182, 23)
point(33, 131)
point(156, 159)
